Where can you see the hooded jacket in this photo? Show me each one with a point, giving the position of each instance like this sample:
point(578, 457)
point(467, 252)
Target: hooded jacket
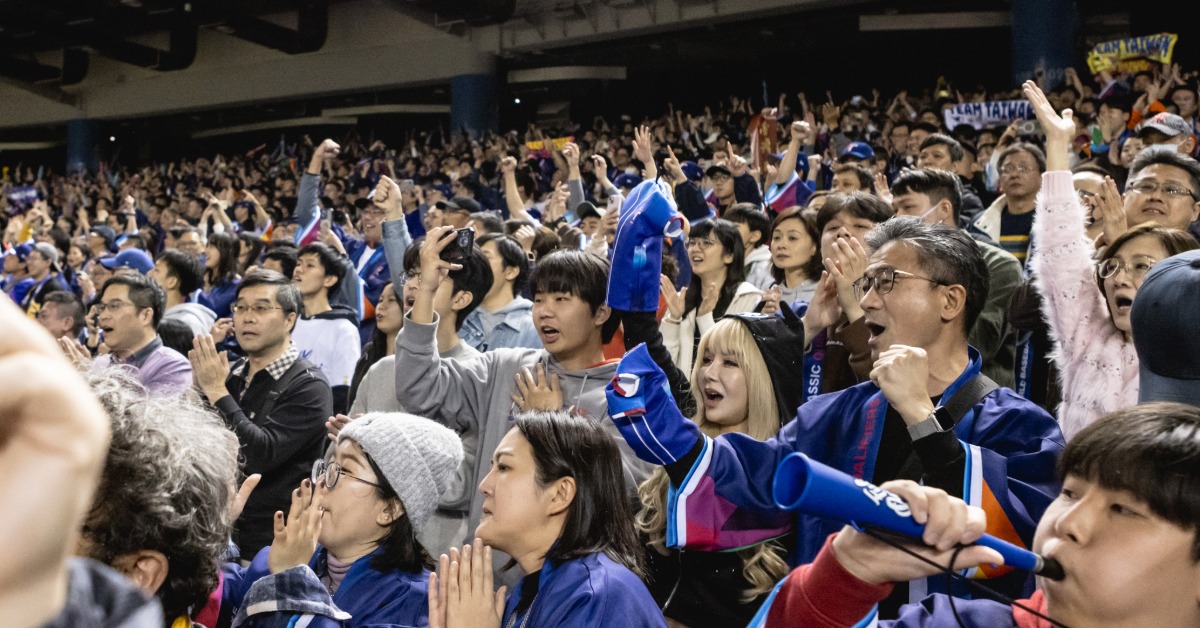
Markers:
point(330, 341)
point(515, 330)
point(758, 267)
point(196, 316)
point(476, 395)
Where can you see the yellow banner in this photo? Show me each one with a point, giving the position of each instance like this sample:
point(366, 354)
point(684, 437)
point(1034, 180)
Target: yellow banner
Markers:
point(1111, 54)
point(545, 145)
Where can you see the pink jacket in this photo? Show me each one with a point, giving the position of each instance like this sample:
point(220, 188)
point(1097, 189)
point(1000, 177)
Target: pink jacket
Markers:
point(1099, 369)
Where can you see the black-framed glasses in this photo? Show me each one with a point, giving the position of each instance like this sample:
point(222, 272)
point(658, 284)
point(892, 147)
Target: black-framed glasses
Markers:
point(111, 306)
point(883, 282)
point(1136, 267)
point(332, 472)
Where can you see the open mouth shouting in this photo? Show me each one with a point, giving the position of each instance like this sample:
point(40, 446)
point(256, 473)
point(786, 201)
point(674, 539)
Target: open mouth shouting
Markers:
point(549, 334)
point(712, 397)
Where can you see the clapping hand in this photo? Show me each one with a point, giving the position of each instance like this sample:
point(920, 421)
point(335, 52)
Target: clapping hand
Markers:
point(296, 538)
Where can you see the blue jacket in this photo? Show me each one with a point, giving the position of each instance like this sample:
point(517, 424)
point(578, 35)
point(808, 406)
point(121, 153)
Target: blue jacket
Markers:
point(220, 299)
point(515, 330)
point(588, 591)
point(366, 597)
point(1010, 448)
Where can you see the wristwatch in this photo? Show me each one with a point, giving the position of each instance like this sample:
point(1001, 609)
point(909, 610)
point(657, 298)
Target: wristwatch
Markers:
point(938, 421)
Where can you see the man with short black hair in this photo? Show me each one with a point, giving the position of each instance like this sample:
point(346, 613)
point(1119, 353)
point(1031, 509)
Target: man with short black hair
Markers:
point(274, 400)
point(933, 196)
point(326, 335)
point(1163, 187)
point(946, 153)
point(851, 178)
point(181, 277)
point(62, 315)
point(572, 320)
point(128, 312)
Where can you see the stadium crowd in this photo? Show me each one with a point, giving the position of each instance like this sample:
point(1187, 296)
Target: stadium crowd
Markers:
point(546, 377)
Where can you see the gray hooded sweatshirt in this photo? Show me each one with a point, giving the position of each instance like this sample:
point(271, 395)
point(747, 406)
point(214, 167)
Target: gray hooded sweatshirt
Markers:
point(476, 395)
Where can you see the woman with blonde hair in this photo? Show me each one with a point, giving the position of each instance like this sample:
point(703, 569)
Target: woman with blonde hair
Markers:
point(735, 391)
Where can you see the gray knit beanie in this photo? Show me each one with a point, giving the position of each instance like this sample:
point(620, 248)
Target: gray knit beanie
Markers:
point(418, 457)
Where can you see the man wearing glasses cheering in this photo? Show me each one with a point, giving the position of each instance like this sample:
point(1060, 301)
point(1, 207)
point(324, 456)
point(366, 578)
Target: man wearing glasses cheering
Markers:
point(274, 400)
point(1163, 187)
point(922, 291)
point(127, 313)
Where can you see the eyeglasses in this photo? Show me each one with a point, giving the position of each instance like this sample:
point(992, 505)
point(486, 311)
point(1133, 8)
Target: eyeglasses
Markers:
point(111, 306)
point(1136, 267)
point(374, 212)
point(1016, 169)
point(331, 472)
point(1146, 186)
point(703, 243)
point(884, 281)
point(242, 309)
point(718, 178)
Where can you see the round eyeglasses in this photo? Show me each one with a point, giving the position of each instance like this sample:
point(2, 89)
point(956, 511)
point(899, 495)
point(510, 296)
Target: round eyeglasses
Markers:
point(331, 472)
point(1136, 267)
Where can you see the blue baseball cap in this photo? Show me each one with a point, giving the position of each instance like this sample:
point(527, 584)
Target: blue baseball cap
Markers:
point(857, 150)
point(627, 180)
point(136, 259)
point(21, 251)
point(692, 170)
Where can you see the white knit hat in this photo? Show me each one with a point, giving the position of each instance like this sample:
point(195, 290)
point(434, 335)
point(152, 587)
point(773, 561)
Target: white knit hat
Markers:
point(418, 457)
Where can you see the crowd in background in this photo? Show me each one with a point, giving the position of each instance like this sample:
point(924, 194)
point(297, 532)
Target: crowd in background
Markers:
point(711, 291)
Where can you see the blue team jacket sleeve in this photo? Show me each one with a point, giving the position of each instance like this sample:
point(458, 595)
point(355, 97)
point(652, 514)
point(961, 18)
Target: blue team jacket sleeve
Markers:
point(643, 409)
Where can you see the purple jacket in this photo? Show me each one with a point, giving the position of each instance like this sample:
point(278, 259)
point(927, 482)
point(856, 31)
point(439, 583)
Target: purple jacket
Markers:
point(162, 370)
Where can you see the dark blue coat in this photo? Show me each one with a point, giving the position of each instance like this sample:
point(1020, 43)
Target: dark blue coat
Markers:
point(588, 591)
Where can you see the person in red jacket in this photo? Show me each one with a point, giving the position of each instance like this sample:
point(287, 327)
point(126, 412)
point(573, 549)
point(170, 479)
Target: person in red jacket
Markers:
point(1124, 528)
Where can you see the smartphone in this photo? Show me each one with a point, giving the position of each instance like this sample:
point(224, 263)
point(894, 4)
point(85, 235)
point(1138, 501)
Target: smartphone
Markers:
point(614, 203)
point(406, 185)
point(460, 247)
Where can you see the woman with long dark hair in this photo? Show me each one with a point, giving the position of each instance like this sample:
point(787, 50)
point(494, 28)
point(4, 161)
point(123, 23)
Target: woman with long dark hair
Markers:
point(221, 276)
point(354, 525)
point(555, 501)
point(718, 287)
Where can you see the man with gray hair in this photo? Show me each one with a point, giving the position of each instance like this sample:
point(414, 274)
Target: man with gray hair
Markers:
point(274, 400)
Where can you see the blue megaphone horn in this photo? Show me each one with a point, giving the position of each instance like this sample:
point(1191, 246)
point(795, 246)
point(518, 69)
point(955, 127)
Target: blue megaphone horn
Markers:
point(807, 486)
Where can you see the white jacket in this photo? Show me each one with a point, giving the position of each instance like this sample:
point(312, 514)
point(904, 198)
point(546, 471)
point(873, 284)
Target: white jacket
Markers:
point(988, 220)
point(758, 268)
point(678, 334)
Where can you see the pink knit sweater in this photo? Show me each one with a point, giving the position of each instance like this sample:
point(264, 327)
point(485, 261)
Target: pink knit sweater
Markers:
point(1099, 368)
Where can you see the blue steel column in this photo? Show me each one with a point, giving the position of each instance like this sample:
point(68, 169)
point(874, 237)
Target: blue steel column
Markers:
point(473, 104)
point(82, 136)
point(1043, 36)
